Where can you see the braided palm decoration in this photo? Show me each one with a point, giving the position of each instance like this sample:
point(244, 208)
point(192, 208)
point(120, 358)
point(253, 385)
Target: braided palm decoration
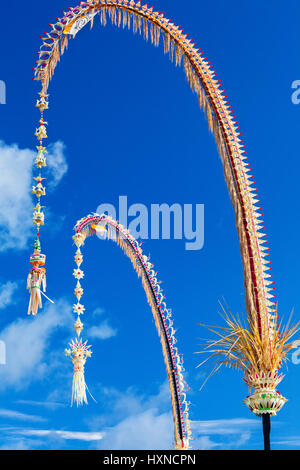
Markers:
point(108, 228)
point(154, 25)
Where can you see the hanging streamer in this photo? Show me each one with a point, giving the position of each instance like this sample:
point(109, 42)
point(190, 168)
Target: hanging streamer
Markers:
point(36, 279)
point(37, 275)
point(79, 351)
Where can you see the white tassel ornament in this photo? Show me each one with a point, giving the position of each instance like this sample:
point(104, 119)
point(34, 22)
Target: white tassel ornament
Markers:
point(79, 352)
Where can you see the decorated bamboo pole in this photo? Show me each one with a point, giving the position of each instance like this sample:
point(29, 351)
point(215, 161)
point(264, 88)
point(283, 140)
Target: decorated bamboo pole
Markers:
point(108, 228)
point(201, 77)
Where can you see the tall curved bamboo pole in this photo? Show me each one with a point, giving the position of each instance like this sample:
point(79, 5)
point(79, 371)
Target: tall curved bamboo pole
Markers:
point(162, 316)
point(201, 77)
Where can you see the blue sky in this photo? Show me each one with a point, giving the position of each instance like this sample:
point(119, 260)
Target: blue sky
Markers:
point(123, 121)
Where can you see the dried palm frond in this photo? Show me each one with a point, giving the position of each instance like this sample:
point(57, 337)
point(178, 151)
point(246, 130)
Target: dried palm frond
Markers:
point(241, 345)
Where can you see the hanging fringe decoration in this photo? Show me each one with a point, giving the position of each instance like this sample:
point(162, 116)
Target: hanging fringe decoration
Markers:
point(37, 276)
point(79, 351)
point(36, 279)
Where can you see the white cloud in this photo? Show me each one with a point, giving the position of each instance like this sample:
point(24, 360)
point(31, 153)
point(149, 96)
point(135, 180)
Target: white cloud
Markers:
point(224, 426)
point(66, 435)
point(16, 415)
point(56, 162)
point(141, 422)
point(15, 196)
point(81, 436)
point(293, 441)
point(131, 420)
point(147, 430)
point(16, 444)
point(130, 402)
point(103, 331)
point(26, 340)
point(44, 404)
point(231, 433)
point(122, 404)
point(98, 311)
point(7, 292)
point(205, 443)
point(15, 199)
point(25, 438)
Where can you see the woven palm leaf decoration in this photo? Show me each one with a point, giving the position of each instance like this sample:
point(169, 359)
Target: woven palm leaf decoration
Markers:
point(241, 345)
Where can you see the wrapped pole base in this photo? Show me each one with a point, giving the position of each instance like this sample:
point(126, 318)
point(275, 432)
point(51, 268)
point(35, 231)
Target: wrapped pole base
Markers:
point(265, 401)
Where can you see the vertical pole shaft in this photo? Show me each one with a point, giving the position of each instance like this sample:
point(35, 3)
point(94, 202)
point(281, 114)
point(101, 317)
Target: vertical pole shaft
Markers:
point(266, 430)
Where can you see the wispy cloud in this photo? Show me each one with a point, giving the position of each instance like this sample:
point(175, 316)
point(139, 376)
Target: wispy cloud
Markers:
point(223, 433)
point(147, 430)
point(26, 341)
point(102, 331)
point(16, 443)
point(16, 415)
point(67, 435)
point(205, 443)
point(18, 438)
point(15, 196)
point(43, 404)
point(135, 421)
point(57, 164)
point(146, 426)
point(7, 294)
point(98, 311)
point(224, 426)
point(293, 441)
